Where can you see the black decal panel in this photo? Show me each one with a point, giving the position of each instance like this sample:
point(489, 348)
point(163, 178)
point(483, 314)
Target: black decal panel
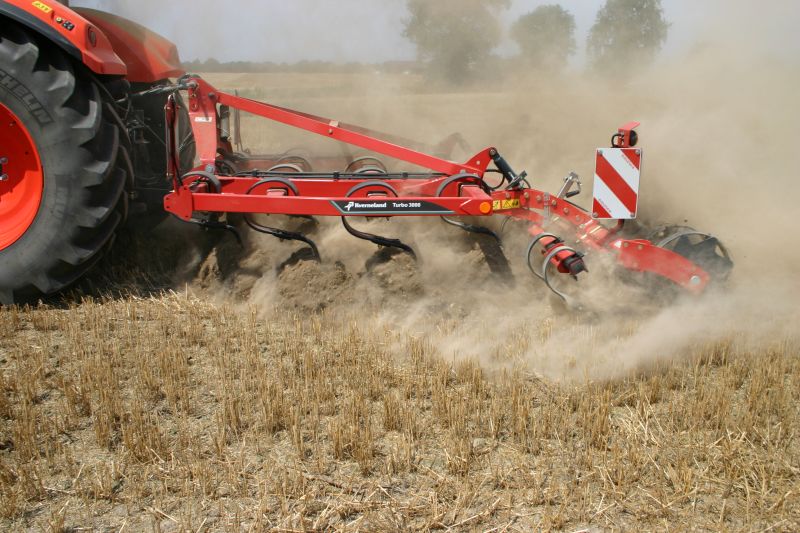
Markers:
point(389, 206)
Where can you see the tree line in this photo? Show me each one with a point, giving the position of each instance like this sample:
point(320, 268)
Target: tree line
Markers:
point(456, 40)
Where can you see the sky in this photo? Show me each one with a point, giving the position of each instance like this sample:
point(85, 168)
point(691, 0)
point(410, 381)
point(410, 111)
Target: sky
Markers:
point(371, 30)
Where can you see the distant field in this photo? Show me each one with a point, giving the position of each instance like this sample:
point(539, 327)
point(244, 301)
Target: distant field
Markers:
point(526, 124)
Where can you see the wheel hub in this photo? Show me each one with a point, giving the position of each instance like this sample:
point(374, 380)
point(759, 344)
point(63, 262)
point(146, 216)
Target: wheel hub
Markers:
point(21, 178)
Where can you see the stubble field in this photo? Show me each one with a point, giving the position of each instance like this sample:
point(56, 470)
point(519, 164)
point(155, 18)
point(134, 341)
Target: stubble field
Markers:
point(210, 388)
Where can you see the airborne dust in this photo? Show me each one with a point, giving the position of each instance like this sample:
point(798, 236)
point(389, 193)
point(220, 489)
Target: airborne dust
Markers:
point(720, 126)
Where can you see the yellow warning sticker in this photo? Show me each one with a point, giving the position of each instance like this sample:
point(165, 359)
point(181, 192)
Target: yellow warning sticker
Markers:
point(499, 205)
point(44, 7)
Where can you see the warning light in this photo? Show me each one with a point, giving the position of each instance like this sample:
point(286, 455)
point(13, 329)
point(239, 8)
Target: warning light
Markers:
point(485, 208)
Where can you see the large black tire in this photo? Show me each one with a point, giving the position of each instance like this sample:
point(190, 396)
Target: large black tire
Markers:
point(85, 166)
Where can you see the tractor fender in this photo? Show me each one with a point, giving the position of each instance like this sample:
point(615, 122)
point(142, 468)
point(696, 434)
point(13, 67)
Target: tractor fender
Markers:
point(148, 56)
point(69, 31)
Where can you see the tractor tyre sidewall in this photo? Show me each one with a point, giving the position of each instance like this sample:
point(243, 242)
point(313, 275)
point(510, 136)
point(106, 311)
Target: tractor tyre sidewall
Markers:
point(83, 199)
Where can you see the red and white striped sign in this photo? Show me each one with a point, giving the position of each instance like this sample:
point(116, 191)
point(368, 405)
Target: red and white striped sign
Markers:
point(616, 183)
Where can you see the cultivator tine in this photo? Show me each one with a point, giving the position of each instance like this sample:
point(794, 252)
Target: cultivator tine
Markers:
point(286, 236)
point(492, 250)
point(377, 239)
point(287, 166)
point(210, 221)
point(293, 163)
point(470, 228)
point(533, 244)
point(496, 259)
point(574, 263)
point(282, 234)
point(503, 225)
point(366, 165)
point(220, 226)
point(545, 269)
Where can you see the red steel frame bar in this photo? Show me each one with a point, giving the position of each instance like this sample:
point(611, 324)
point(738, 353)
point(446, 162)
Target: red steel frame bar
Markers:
point(459, 197)
point(202, 111)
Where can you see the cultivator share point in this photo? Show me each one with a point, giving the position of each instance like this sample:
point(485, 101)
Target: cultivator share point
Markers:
point(562, 233)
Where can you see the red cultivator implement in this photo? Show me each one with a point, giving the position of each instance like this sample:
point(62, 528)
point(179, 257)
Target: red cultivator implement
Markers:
point(563, 234)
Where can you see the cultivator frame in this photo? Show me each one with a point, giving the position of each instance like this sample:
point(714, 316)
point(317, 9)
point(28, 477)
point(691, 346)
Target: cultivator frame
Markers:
point(227, 182)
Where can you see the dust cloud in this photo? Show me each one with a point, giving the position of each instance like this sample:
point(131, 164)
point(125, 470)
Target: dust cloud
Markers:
point(720, 126)
point(258, 30)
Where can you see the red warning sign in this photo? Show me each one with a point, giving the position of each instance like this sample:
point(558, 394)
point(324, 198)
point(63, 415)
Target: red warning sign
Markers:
point(616, 183)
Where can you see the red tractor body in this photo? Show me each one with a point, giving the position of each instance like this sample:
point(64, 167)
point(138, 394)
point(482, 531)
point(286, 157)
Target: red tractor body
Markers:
point(107, 44)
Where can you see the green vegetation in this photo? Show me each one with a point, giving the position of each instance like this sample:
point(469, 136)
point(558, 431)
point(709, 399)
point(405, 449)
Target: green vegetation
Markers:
point(546, 37)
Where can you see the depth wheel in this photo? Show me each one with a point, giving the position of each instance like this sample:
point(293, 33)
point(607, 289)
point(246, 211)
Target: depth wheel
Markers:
point(699, 247)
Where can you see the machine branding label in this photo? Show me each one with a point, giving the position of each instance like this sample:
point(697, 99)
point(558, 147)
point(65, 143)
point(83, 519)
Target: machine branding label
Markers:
point(44, 7)
point(498, 205)
point(10, 84)
point(388, 207)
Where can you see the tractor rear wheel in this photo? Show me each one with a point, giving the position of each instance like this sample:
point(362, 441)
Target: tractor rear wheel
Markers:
point(64, 169)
